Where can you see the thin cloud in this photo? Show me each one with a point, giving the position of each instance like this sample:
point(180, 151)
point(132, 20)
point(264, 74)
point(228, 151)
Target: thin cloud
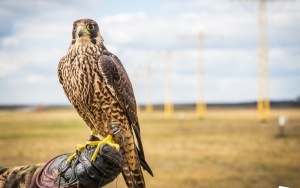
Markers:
point(36, 34)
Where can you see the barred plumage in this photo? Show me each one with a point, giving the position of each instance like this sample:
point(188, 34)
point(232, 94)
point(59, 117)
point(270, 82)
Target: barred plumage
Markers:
point(98, 86)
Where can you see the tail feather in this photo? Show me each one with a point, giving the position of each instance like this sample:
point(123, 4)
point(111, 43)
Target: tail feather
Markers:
point(134, 161)
point(127, 176)
point(133, 179)
point(145, 165)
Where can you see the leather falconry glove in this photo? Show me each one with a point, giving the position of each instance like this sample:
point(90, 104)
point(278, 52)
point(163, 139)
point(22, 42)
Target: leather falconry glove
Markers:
point(81, 172)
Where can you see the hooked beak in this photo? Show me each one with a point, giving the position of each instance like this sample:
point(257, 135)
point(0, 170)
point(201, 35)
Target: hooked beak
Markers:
point(81, 31)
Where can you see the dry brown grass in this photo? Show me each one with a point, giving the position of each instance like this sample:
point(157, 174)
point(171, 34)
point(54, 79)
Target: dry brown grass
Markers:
point(227, 149)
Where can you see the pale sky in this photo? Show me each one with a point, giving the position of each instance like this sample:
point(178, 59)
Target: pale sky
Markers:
point(35, 34)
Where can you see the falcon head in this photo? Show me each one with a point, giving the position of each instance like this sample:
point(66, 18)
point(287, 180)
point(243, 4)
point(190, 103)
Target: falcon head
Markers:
point(86, 32)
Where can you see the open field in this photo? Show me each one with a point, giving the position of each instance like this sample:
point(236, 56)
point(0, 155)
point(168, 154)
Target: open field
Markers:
point(227, 149)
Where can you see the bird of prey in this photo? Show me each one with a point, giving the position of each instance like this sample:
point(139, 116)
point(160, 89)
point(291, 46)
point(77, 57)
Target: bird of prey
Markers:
point(97, 85)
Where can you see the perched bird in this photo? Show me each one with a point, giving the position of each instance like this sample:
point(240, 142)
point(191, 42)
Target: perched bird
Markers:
point(97, 85)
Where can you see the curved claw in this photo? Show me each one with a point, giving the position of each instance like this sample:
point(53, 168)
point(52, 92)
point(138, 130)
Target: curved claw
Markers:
point(108, 140)
point(93, 142)
point(71, 157)
point(79, 147)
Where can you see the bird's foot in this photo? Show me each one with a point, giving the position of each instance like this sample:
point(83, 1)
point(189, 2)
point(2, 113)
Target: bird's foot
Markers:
point(94, 141)
point(108, 140)
point(79, 148)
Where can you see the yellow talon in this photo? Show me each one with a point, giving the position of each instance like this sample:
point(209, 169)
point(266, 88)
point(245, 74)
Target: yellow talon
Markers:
point(108, 140)
point(79, 147)
point(93, 132)
point(71, 157)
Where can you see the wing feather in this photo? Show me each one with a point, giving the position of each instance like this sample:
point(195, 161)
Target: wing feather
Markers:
point(120, 86)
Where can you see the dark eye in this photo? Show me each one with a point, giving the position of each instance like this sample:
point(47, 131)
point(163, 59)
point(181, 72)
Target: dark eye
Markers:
point(91, 27)
point(74, 28)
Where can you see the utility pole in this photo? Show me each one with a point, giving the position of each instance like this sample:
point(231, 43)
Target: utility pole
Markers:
point(169, 108)
point(136, 82)
point(200, 101)
point(149, 106)
point(263, 101)
point(201, 104)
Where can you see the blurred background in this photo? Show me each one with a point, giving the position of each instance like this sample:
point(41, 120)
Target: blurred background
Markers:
point(145, 36)
point(217, 84)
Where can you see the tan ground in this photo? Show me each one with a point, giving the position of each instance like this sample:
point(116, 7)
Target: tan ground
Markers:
point(229, 148)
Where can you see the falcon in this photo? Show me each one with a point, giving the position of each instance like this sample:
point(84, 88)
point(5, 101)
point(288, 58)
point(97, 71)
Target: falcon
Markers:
point(97, 85)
